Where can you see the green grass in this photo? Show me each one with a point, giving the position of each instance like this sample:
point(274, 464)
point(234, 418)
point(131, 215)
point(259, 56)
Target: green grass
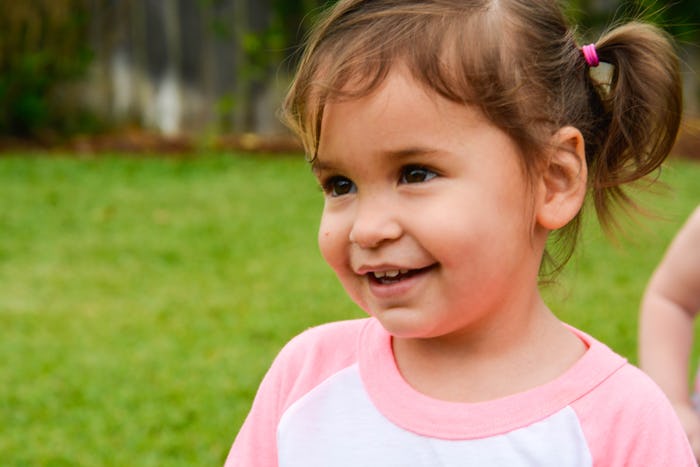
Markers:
point(141, 300)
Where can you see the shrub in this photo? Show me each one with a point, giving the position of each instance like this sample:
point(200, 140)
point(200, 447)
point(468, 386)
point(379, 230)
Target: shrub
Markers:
point(43, 44)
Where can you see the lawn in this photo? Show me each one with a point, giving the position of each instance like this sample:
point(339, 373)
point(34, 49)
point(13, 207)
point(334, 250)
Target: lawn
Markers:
point(142, 299)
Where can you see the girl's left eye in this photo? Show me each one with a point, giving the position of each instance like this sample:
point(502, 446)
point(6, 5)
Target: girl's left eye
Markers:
point(416, 174)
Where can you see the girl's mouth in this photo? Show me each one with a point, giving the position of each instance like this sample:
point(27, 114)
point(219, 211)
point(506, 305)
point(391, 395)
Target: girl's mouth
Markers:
point(396, 275)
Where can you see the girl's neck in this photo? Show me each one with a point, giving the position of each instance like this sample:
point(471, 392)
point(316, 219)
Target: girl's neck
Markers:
point(491, 363)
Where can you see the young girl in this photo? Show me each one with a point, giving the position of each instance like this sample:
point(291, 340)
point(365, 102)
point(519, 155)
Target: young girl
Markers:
point(451, 137)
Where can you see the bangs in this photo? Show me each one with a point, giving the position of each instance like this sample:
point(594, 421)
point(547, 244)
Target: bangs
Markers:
point(461, 58)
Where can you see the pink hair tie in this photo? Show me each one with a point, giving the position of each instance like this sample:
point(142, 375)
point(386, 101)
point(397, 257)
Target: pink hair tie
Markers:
point(590, 55)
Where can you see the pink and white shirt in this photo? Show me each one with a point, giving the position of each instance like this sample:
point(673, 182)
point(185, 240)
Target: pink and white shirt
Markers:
point(334, 397)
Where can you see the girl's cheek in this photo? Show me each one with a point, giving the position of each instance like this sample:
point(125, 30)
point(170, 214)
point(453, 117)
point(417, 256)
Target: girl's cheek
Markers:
point(334, 241)
point(324, 238)
point(328, 243)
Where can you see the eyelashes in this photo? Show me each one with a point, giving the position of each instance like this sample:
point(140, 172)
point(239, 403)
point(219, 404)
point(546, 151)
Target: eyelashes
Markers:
point(339, 185)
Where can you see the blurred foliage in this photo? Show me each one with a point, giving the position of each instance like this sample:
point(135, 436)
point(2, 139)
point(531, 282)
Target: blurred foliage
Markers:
point(267, 34)
point(43, 43)
point(292, 20)
point(267, 47)
point(681, 18)
point(46, 43)
point(279, 42)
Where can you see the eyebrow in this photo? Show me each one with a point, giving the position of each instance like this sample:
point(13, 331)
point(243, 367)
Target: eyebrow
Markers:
point(410, 151)
point(319, 165)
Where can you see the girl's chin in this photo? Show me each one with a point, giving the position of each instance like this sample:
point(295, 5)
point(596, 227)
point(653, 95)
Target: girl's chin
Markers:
point(403, 323)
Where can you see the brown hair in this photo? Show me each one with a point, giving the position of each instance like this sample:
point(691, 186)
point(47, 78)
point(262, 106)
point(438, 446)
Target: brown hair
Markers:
point(516, 60)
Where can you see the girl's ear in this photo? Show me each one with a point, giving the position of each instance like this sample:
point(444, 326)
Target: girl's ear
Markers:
point(562, 184)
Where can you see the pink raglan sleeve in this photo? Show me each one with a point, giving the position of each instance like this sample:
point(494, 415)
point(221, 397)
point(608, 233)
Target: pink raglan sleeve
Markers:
point(303, 363)
point(255, 444)
point(629, 422)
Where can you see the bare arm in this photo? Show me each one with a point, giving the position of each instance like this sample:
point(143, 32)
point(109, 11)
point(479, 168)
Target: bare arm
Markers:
point(669, 307)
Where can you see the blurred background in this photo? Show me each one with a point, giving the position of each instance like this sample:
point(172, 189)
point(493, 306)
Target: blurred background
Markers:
point(202, 71)
point(158, 224)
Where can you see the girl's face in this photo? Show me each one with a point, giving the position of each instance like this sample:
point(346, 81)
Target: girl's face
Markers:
point(428, 218)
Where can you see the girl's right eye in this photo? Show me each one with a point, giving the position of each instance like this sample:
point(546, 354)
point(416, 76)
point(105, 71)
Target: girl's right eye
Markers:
point(339, 186)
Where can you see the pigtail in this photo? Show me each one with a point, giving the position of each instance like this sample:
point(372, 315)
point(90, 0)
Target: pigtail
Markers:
point(641, 111)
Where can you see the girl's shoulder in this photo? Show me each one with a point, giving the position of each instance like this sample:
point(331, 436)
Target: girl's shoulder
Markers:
point(316, 354)
point(626, 416)
point(615, 381)
point(302, 365)
point(325, 340)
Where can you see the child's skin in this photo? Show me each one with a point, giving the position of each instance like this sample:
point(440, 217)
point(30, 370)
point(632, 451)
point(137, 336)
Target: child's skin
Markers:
point(671, 303)
point(417, 183)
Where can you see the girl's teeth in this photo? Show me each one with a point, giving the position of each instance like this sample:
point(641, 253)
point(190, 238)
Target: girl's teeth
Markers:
point(389, 274)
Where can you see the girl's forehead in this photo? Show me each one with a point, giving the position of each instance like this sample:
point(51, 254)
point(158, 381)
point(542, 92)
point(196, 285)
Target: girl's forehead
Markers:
point(397, 94)
point(400, 92)
point(400, 117)
point(396, 83)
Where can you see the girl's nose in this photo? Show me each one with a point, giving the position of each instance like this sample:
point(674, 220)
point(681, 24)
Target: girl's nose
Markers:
point(374, 224)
